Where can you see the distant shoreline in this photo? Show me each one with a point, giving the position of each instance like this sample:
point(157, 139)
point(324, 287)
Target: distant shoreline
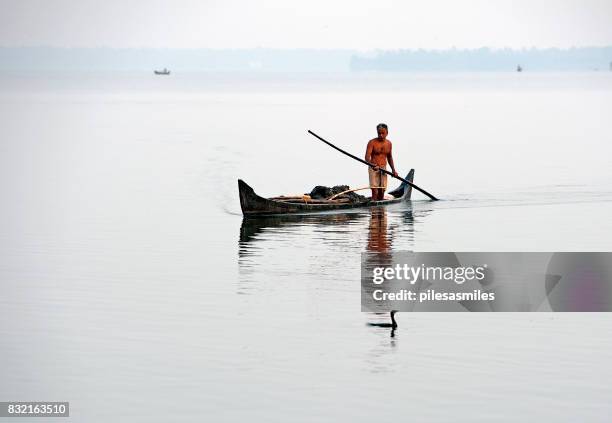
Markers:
point(304, 60)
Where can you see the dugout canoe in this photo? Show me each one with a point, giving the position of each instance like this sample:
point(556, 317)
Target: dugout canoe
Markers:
point(254, 205)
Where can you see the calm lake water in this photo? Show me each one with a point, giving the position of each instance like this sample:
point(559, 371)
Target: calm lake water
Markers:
point(133, 288)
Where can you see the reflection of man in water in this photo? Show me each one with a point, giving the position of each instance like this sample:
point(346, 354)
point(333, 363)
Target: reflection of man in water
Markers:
point(379, 245)
point(378, 238)
point(378, 152)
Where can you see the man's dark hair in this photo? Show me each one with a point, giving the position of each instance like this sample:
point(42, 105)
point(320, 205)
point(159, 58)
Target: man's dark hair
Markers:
point(382, 125)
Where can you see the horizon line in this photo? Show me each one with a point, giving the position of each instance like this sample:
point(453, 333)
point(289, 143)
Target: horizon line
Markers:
point(524, 48)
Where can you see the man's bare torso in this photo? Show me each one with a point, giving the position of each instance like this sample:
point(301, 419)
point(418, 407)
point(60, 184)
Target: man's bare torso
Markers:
point(379, 150)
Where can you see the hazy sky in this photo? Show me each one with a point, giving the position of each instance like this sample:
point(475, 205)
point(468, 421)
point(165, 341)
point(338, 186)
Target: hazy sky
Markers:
point(354, 24)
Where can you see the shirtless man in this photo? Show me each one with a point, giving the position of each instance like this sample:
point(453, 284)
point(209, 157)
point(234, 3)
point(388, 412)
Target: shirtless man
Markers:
point(377, 153)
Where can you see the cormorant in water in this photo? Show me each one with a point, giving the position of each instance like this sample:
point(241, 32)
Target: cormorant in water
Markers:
point(393, 323)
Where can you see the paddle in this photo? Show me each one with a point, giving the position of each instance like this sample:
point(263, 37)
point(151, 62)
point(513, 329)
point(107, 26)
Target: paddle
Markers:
point(370, 164)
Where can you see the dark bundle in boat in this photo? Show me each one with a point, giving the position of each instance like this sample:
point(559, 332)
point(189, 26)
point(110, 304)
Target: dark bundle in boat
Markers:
point(321, 192)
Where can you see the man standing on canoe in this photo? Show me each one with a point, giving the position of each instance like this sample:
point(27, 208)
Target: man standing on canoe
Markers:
point(378, 153)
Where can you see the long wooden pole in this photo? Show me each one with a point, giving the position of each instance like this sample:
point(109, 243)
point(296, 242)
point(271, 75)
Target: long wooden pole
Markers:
point(370, 164)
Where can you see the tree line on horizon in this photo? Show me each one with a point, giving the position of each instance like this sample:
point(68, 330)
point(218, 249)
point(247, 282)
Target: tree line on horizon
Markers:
point(303, 60)
point(486, 59)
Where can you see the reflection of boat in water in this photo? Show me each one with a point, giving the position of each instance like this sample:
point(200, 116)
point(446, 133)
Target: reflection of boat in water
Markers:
point(251, 228)
point(374, 222)
point(164, 71)
point(254, 205)
point(376, 230)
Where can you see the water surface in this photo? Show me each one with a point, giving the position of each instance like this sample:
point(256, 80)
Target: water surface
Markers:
point(133, 288)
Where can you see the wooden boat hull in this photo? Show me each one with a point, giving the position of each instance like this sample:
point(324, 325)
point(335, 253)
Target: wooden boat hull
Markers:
point(254, 205)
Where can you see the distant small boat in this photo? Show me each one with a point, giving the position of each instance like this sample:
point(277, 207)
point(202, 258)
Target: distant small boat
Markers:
point(162, 72)
point(519, 68)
